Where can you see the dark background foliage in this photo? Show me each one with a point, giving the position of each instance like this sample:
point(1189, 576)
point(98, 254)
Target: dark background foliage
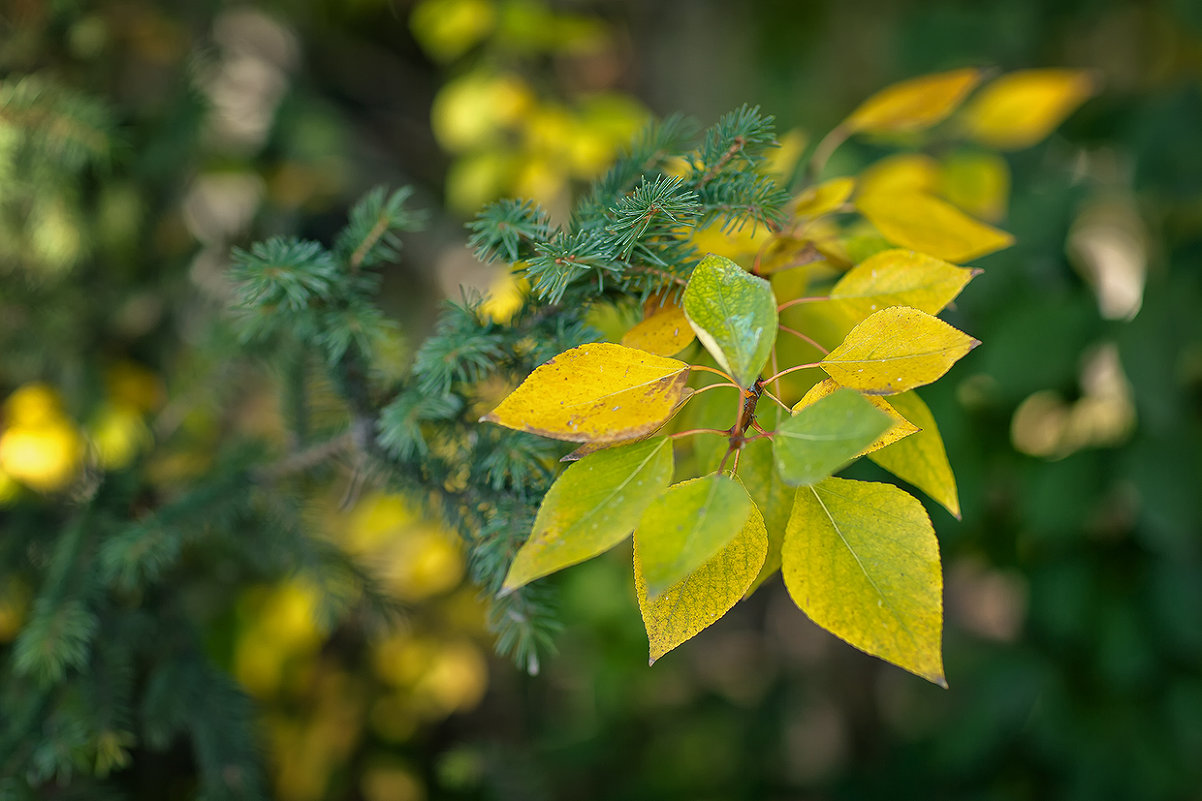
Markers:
point(1074, 581)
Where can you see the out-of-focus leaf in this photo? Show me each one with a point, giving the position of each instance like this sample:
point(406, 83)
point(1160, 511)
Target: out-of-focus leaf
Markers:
point(593, 506)
point(706, 594)
point(896, 349)
point(900, 173)
point(861, 560)
point(921, 459)
point(825, 435)
point(595, 393)
point(1020, 108)
point(927, 224)
point(687, 525)
point(914, 104)
point(734, 315)
point(978, 183)
point(824, 198)
point(900, 428)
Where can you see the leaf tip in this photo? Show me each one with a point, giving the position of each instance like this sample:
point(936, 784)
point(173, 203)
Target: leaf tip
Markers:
point(973, 343)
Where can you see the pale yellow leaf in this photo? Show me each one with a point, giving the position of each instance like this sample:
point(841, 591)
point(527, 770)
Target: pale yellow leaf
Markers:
point(896, 349)
point(1021, 108)
point(824, 198)
point(921, 459)
point(861, 560)
point(664, 332)
point(899, 278)
point(595, 393)
point(924, 223)
point(902, 172)
point(705, 595)
point(900, 429)
point(914, 104)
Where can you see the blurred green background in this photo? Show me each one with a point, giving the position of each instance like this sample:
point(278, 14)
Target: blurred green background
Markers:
point(1073, 643)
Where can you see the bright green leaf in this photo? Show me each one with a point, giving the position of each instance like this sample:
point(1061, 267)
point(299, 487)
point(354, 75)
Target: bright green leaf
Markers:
point(706, 594)
point(896, 349)
point(924, 223)
point(825, 436)
point(687, 525)
point(921, 459)
point(593, 506)
point(899, 278)
point(734, 315)
point(861, 560)
point(595, 393)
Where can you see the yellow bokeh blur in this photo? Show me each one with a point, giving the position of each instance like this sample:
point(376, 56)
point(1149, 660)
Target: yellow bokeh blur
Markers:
point(446, 29)
point(118, 434)
point(40, 446)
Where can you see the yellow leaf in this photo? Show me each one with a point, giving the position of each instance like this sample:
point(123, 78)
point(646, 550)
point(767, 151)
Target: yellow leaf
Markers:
point(978, 183)
point(899, 278)
point(824, 198)
point(595, 393)
point(921, 459)
point(920, 222)
point(903, 172)
point(861, 560)
point(1021, 108)
point(664, 332)
point(914, 104)
point(896, 349)
point(901, 426)
point(705, 595)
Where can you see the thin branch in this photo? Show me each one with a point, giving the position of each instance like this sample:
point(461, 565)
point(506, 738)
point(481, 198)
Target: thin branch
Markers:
point(731, 152)
point(307, 459)
point(825, 149)
point(782, 404)
point(770, 379)
point(804, 338)
point(373, 236)
point(703, 368)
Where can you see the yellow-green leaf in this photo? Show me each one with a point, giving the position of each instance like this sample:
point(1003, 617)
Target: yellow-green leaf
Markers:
point(899, 278)
point(914, 104)
point(901, 172)
point(664, 332)
point(900, 427)
point(688, 524)
point(595, 393)
point(734, 316)
point(706, 594)
point(896, 349)
point(978, 183)
point(921, 459)
point(1021, 108)
point(825, 435)
point(927, 224)
point(592, 507)
point(861, 560)
point(824, 198)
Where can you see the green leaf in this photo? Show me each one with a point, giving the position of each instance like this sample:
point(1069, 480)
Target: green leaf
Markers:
point(734, 315)
point(706, 594)
point(596, 393)
point(592, 507)
point(920, 459)
point(826, 435)
point(896, 349)
point(901, 426)
point(687, 525)
point(861, 560)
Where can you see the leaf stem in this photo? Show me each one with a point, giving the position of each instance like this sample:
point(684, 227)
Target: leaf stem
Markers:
point(797, 301)
point(770, 379)
point(715, 386)
point(703, 368)
point(690, 432)
point(782, 404)
point(825, 149)
point(804, 338)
